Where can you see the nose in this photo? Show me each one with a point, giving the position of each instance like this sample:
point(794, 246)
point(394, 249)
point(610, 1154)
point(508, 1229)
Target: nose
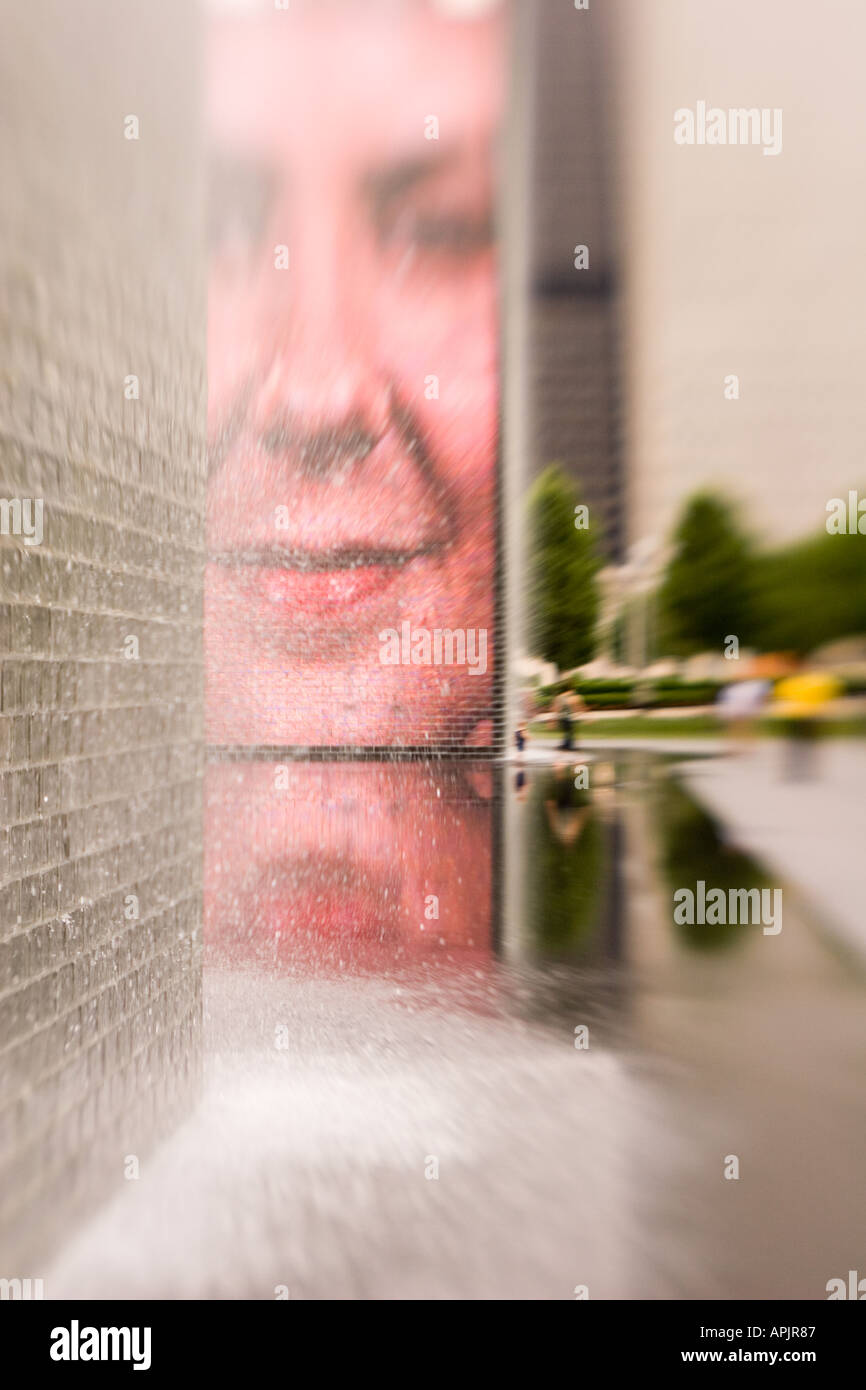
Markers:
point(322, 393)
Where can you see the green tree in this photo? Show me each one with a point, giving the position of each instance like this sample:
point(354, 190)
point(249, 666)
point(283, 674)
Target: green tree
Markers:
point(811, 592)
point(563, 564)
point(707, 591)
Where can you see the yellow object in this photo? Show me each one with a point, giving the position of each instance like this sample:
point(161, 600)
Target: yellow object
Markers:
point(805, 694)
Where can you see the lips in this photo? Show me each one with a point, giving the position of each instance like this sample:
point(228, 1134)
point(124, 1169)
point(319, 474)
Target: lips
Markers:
point(311, 903)
point(263, 498)
point(288, 532)
point(314, 584)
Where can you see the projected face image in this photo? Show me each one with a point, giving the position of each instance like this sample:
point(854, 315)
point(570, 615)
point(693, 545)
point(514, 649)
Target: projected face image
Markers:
point(352, 361)
point(356, 867)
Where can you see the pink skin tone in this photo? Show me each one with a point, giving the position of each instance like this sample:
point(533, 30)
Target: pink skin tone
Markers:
point(334, 863)
point(343, 501)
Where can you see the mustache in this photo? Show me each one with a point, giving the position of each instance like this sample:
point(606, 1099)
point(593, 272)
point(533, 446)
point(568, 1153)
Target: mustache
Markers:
point(318, 453)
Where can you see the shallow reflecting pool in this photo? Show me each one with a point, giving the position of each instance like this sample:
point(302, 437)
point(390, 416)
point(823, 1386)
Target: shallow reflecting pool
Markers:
point(455, 1045)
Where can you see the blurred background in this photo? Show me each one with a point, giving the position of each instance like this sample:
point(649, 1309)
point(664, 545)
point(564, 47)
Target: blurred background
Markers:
point(697, 357)
point(324, 978)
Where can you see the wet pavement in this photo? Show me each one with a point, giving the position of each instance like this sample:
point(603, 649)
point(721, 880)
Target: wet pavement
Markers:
point(401, 964)
point(808, 828)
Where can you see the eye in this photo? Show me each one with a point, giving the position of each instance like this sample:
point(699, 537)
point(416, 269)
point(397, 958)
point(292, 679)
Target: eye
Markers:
point(460, 235)
point(457, 233)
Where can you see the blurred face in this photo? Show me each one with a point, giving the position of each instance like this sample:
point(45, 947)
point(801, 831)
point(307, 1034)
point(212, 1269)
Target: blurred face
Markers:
point(362, 867)
point(352, 371)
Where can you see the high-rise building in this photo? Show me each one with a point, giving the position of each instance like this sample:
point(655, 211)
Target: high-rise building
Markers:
point(741, 262)
point(572, 348)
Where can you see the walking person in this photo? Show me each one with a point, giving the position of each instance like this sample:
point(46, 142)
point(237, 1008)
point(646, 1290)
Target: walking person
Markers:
point(526, 710)
point(570, 706)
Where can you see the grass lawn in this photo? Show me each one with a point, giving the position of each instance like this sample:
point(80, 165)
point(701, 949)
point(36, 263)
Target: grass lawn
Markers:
point(696, 725)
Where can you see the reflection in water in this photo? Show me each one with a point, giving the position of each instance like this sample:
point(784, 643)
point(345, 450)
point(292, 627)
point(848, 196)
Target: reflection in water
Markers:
point(569, 861)
point(692, 847)
point(565, 921)
point(348, 866)
point(353, 1037)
